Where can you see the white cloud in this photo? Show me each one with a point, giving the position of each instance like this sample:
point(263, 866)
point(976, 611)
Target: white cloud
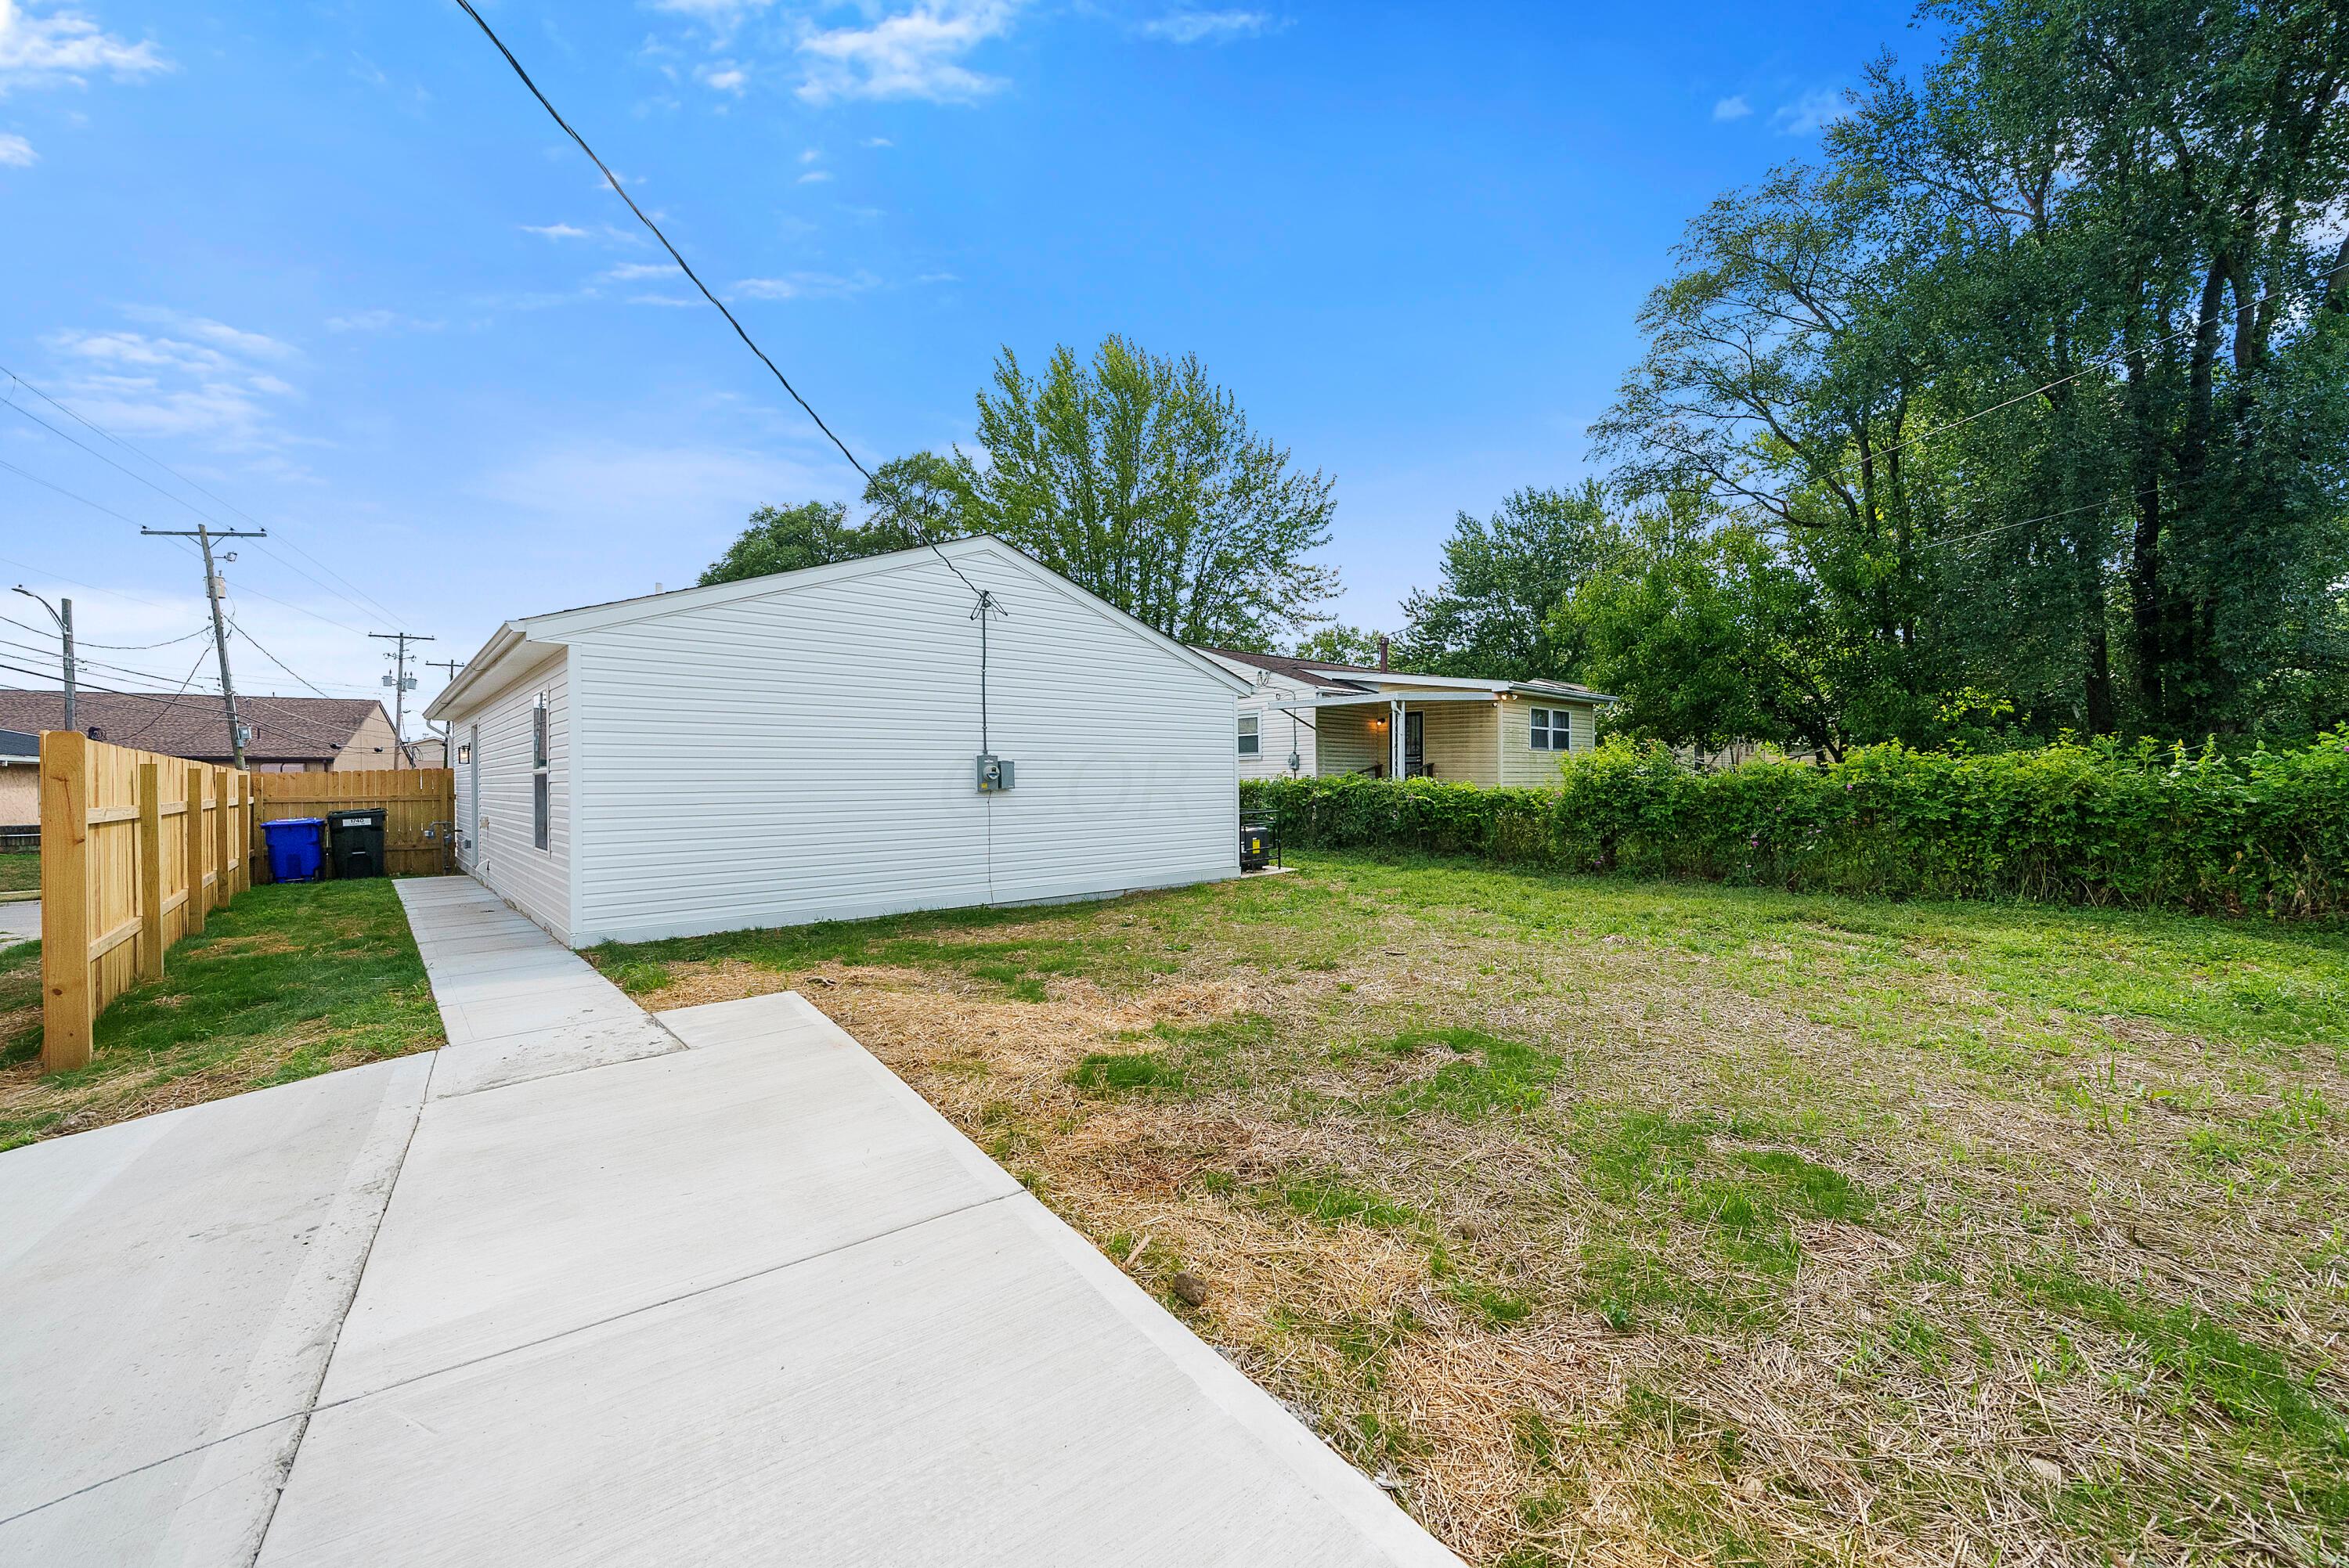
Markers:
point(677, 300)
point(811, 156)
point(201, 378)
point(1812, 112)
point(878, 141)
point(635, 272)
point(815, 177)
point(913, 54)
point(64, 46)
point(219, 334)
point(1733, 106)
point(725, 76)
point(1208, 27)
point(806, 286)
point(554, 230)
point(17, 152)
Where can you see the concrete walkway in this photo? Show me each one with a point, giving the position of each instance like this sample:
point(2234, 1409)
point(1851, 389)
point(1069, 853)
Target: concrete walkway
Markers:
point(591, 1286)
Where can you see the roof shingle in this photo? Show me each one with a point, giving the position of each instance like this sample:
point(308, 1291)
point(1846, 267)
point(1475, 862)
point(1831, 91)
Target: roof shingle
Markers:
point(285, 728)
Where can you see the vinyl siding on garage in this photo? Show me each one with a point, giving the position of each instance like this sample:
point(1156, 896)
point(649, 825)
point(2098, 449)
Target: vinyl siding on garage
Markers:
point(807, 753)
point(534, 880)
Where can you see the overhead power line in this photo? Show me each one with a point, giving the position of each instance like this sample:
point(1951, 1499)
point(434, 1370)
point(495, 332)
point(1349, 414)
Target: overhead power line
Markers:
point(365, 603)
point(694, 278)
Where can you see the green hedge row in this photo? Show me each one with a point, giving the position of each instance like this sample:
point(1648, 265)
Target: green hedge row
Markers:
point(2096, 823)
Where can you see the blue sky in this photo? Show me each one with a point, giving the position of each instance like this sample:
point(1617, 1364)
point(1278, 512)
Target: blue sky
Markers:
point(332, 264)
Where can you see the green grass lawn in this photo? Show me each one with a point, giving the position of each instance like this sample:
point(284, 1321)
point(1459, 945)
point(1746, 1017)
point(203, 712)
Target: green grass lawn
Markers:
point(289, 981)
point(1665, 1222)
point(20, 870)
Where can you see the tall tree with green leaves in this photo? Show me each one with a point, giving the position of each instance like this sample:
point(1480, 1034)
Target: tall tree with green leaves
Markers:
point(1492, 616)
point(2038, 380)
point(814, 533)
point(1139, 479)
point(1340, 645)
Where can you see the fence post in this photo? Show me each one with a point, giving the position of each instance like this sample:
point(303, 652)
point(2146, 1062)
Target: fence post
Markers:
point(65, 1011)
point(220, 837)
point(244, 831)
point(193, 837)
point(151, 871)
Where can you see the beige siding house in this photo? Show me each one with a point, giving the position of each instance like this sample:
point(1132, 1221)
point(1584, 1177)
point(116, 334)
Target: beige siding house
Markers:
point(288, 734)
point(1312, 719)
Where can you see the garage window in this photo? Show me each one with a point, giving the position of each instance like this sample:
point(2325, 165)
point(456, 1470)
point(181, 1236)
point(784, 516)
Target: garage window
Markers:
point(538, 788)
point(1251, 738)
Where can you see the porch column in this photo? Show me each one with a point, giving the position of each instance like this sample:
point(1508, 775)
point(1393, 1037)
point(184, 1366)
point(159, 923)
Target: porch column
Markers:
point(1394, 740)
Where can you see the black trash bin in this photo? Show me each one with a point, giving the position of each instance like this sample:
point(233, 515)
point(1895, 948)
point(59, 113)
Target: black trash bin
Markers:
point(355, 842)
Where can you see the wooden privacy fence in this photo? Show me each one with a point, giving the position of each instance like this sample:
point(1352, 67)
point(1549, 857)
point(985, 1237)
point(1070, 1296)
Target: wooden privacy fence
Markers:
point(135, 849)
point(417, 803)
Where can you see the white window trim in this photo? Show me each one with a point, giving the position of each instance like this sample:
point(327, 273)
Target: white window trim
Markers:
point(1251, 734)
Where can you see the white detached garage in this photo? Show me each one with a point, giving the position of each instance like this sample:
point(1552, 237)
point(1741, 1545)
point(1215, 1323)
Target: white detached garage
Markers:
point(804, 746)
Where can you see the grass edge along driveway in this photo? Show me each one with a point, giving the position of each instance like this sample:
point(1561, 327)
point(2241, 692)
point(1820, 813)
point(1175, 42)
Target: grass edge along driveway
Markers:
point(291, 981)
point(1630, 1222)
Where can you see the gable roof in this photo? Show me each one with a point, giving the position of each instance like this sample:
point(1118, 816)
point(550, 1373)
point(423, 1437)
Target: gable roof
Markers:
point(556, 626)
point(285, 728)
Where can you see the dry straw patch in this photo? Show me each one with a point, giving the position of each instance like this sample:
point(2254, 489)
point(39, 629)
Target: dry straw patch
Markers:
point(1807, 1246)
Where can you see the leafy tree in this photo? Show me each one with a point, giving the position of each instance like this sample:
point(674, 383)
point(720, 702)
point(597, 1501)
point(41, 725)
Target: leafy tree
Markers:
point(1138, 477)
point(1492, 617)
point(1709, 637)
point(2037, 382)
point(1340, 645)
point(919, 497)
point(816, 533)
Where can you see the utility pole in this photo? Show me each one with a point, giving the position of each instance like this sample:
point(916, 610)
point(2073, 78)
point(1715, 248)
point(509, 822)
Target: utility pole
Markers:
point(401, 683)
point(447, 732)
point(213, 587)
point(63, 615)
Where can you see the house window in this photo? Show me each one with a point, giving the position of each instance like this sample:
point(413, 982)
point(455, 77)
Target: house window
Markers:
point(538, 786)
point(1552, 731)
point(1251, 736)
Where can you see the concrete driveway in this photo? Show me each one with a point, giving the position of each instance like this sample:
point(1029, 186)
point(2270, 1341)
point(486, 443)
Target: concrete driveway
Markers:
point(591, 1286)
point(20, 922)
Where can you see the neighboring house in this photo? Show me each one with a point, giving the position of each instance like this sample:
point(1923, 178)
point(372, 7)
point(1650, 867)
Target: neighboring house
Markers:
point(20, 779)
point(1311, 719)
point(430, 752)
point(290, 733)
point(804, 746)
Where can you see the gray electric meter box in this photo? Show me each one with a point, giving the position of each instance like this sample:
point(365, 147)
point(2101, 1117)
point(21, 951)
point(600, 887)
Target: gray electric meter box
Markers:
point(994, 774)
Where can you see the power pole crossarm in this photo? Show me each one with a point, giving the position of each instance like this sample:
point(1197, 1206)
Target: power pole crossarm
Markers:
point(204, 536)
point(400, 682)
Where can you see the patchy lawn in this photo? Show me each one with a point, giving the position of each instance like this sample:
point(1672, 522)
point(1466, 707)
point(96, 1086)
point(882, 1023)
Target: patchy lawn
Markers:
point(1629, 1222)
point(20, 870)
point(290, 981)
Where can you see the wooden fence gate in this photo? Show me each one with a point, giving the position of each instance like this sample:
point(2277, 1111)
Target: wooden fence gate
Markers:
point(136, 846)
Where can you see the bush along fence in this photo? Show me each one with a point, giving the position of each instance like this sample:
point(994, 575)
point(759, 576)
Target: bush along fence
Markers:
point(136, 848)
point(2096, 823)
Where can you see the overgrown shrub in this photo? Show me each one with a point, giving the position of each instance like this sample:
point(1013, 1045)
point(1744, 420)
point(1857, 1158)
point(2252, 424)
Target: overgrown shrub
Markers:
point(2097, 823)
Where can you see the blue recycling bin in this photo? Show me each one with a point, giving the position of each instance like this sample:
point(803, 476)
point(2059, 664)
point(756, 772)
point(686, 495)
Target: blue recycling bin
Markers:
point(294, 849)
